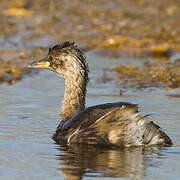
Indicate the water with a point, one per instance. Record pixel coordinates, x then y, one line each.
29 114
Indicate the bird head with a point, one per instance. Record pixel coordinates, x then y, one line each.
62 59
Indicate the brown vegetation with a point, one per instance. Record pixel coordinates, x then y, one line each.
136 27
156 74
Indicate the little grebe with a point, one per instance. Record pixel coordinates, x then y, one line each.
112 124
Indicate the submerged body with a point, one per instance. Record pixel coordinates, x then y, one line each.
112 124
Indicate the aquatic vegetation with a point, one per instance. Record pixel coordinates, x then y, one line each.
13 64
147 27
156 74
17 8
135 28
18 12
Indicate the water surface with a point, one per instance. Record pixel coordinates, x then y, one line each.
29 114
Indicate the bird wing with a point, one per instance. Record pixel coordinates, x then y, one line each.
92 114
106 125
122 126
86 118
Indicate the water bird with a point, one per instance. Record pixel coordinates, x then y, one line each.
111 125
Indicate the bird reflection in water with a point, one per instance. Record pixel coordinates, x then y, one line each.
78 161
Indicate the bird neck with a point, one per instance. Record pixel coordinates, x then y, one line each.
75 93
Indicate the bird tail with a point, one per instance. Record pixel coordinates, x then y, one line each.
154 135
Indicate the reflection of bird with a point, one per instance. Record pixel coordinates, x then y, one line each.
112 124
78 161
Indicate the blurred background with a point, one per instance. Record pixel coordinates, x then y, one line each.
133 51
131 28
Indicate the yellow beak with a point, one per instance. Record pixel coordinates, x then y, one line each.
39 64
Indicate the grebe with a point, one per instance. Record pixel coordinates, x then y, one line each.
112 124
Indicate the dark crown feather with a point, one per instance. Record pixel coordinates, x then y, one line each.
63 46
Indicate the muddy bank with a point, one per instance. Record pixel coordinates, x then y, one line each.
136 27
157 74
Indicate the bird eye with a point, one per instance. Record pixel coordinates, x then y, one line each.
50 58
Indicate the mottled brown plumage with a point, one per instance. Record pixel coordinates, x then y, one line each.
112 124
